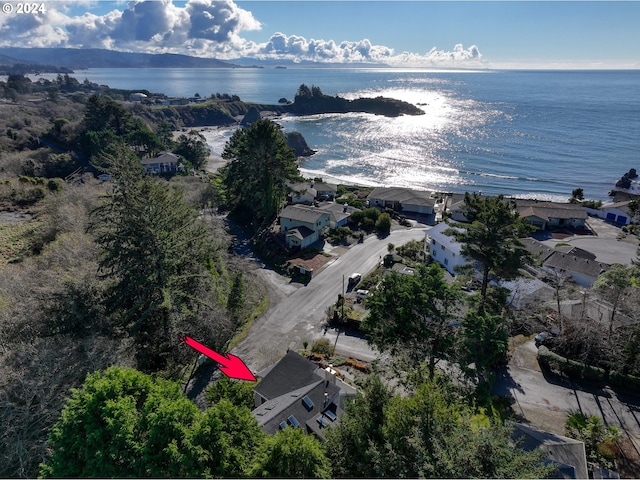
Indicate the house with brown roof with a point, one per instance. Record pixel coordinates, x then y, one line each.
546 215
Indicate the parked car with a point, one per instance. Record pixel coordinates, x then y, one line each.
354 278
360 294
541 338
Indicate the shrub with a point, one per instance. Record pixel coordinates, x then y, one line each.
322 347
383 225
55 184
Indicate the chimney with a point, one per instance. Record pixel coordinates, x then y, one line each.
344 208
330 374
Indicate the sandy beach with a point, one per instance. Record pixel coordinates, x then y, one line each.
216 138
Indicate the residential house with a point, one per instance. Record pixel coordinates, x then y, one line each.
296 393
325 191
340 214
568 261
166 162
302 193
546 215
582 270
402 199
617 212
137 97
302 225
444 249
567 454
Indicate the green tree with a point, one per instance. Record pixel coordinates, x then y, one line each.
483 345
615 285
261 164
154 248
352 445
238 392
123 423
430 433
193 148
383 224
492 238
577 195
412 314
291 453
236 298
599 440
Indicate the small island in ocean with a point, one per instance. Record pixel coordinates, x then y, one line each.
311 101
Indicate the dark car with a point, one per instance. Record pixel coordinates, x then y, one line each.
541 338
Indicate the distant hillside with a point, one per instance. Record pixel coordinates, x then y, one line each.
99 58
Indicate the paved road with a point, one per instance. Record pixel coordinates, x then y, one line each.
297 312
544 400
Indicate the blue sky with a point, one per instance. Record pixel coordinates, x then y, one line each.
449 34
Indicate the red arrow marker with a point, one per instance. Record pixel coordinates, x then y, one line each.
230 365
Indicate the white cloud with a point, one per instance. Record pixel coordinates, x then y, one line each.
208 28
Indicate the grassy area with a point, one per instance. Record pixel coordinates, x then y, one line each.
257 311
15 240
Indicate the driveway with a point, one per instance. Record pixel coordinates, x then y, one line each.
544 400
609 245
297 313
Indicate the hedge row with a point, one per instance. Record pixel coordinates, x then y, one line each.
574 369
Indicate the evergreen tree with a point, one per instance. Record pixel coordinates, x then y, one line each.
492 238
154 248
412 314
261 164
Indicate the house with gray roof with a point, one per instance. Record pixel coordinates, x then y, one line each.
302 193
296 393
166 162
340 214
302 225
566 454
582 270
402 199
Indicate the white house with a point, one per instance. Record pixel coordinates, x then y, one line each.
137 97
166 162
617 212
302 225
444 249
340 214
302 193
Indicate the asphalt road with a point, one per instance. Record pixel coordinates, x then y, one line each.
297 313
544 400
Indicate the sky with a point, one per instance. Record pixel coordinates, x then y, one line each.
445 34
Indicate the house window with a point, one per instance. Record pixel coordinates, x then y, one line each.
433 241
442 247
446 261
434 252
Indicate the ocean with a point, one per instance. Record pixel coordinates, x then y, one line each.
534 134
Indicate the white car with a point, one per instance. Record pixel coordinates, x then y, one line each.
361 293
